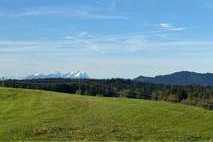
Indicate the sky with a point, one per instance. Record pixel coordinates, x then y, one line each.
105 38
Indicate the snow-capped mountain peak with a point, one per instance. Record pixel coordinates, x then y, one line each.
69 75
81 75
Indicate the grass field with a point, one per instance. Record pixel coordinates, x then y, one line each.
39 115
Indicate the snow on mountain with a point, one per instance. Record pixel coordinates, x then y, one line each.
69 75
81 75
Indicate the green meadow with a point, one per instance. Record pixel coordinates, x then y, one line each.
32 115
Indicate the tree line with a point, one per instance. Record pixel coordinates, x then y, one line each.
191 95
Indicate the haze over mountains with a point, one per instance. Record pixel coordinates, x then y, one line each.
180 78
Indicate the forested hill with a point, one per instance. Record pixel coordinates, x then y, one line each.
180 78
191 95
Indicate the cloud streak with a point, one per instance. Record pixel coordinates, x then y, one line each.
70 12
170 27
87 44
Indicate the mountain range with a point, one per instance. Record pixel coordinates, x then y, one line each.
69 75
177 78
180 78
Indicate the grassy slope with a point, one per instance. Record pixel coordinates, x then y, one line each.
40 115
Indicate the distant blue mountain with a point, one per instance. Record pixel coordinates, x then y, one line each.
180 78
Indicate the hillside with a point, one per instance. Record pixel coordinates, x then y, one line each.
40 115
180 78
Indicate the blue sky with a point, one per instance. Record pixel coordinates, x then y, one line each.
106 38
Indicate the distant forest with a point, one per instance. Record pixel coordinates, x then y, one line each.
191 95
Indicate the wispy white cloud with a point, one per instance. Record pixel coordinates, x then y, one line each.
170 27
87 44
72 12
